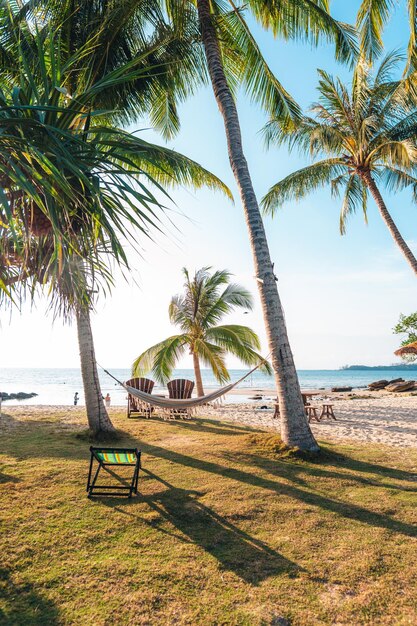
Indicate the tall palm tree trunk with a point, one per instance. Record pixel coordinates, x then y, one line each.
197 373
295 430
98 420
395 233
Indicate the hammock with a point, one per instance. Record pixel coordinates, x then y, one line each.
171 403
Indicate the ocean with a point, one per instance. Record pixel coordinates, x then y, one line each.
58 386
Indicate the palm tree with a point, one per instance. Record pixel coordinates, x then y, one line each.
71 183
205 301
232 58
288 19
368 139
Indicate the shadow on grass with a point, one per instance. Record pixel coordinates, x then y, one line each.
21 604
6 478
202 425
250 559
343 509
6 419
70 448
39 438
302 473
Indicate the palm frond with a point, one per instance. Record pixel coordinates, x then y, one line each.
297 185
306 20
161 358
397 180
412 43
213 357
355 195
406 128
251 69
371 19
241 341
387 67
395 153
88 181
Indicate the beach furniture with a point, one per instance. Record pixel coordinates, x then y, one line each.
135 406
327 411
180 389
311 412
113 457
308 394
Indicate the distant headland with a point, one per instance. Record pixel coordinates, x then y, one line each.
398 366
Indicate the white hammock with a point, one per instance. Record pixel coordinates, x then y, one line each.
188 403
171 403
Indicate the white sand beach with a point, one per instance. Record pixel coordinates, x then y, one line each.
382 419
368 417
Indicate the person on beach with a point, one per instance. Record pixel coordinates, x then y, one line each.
107 400
76 397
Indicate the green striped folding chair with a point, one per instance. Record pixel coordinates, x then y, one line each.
113 457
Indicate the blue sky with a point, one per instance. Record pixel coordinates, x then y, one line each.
341 295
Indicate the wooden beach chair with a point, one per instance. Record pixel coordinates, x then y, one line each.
113 457
180 389
136 407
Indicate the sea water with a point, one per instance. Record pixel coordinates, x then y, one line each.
58 386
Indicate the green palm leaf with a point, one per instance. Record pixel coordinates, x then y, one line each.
355 195
371 19
299 184
161 358
213 356
241 341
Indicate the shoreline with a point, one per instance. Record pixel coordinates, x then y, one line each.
245 394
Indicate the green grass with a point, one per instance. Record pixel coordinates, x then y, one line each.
224 530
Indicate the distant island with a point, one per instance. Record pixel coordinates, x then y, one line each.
400 366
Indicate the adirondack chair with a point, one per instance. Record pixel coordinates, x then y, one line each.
136 407
180 389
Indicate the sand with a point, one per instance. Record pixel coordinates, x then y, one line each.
374 417
369 417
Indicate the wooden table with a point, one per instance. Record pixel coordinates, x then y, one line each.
307 394
310 393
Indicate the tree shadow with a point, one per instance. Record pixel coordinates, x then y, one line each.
343 509
6 419
301 472
235 550
380 470
214 427
373 424
39 438
7 478
70 448
22 604
202 424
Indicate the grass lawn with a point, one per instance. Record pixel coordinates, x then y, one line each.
221 533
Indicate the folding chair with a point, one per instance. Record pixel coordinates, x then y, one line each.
113 457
